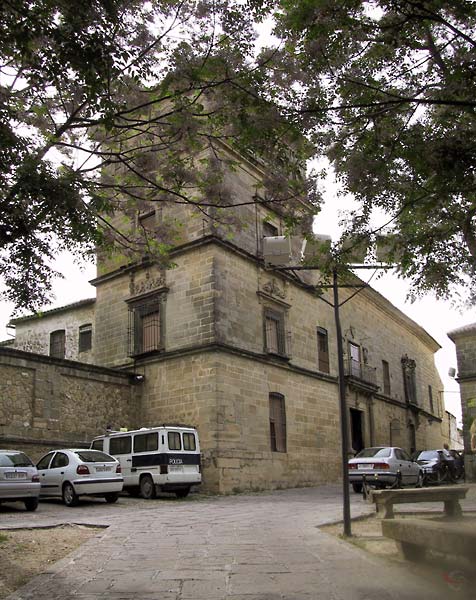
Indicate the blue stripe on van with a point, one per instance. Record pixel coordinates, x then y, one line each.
165 458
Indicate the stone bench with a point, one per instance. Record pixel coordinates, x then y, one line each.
449 495
416 536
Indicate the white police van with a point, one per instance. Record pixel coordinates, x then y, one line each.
164 458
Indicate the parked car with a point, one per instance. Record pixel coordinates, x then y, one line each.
18 479
383 466
434 464
70 473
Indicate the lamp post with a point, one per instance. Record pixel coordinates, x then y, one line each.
279 254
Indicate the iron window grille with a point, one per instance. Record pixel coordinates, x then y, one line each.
58 343
85 337
145 332
322 350
274 332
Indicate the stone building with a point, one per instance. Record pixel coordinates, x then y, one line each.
465 341
245 353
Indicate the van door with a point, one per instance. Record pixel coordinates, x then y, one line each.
121 447
183 457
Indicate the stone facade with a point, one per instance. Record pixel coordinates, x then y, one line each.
248 355
33 334
465 341
50 402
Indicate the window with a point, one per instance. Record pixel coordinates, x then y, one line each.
146 442
60 460
430 397
174 440
45 461
148 221
120 445
354 358
189 441
409 379
274 332
277 422
145 327
322 350
85 337
98 445
386 377
57 343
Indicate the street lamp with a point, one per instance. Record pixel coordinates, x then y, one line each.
277 253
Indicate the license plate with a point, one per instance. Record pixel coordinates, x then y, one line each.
366 466
175 469
102 469
15 475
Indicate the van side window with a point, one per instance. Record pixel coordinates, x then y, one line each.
174 440
120 445
146 442
189 441
98 445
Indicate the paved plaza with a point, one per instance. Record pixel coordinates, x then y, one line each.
265 546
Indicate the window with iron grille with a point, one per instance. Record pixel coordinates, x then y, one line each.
277 422
386 377
145 326
274 334
322 350
85 337
409 379
58 343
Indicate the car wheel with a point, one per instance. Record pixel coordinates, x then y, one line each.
419 482
182 493
70 498
357 487
111 497
31 504
147 487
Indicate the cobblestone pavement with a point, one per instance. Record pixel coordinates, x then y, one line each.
247 547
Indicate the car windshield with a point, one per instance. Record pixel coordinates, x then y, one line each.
92 456
14 459
371 452
428 455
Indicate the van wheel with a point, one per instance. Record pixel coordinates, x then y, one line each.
70 498
111 497
31 504
147 487
182 493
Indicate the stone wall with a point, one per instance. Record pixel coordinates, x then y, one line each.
465 341
47 402
32 334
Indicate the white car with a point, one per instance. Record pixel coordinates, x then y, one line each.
18 479
384 466
74 472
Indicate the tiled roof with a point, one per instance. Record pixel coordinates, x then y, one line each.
52 311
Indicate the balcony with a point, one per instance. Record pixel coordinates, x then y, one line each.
360 375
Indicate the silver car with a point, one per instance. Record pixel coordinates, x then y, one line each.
383 466
73 472
18 479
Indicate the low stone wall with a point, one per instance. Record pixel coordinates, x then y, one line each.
47 402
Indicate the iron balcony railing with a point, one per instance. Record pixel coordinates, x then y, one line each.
361 371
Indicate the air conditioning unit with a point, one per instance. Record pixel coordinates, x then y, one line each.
277 250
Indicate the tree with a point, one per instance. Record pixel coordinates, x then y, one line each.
386 89
103 103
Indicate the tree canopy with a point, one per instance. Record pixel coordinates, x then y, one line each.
387 90
102 104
